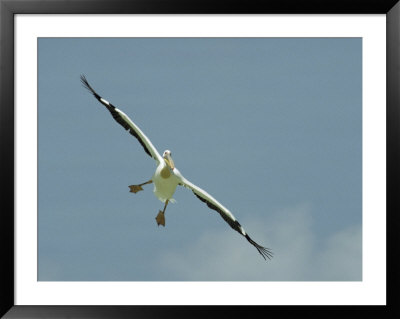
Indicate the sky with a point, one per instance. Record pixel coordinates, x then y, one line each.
271 127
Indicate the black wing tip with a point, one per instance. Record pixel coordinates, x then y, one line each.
87 86
84 82
264 252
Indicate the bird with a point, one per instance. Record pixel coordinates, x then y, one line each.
167 177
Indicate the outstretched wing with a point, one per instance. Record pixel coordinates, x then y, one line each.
126 123
225 214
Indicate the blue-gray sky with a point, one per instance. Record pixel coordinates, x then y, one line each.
271 127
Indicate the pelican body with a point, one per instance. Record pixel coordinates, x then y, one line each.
167 177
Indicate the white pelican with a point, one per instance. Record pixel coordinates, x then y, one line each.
167 177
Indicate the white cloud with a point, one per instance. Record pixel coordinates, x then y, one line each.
298 254
341 258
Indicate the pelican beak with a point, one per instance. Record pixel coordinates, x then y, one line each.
169 161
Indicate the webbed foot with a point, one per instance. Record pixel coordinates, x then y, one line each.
135 188
160 218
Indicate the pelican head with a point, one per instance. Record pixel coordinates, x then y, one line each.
168 159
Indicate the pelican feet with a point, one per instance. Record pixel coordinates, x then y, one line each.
160 218
135 188
138 188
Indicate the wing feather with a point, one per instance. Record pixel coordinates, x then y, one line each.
225 214
121 118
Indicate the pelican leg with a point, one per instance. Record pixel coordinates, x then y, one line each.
160 218
137 188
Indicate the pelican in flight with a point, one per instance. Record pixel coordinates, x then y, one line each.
167 177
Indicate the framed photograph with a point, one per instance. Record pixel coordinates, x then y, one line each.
262 132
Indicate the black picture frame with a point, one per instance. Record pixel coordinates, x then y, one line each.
8 9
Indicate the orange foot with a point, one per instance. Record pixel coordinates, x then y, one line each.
135 188
160 218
